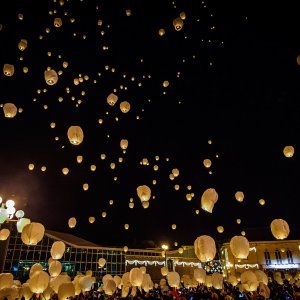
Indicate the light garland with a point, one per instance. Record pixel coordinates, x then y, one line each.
246 266
160 263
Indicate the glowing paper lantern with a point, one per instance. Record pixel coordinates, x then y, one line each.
109 287
31 167
55 268
182 15
104 214
125 249
239 196
51 77
145 204
161 32
180 250
261 277
85 283
164 271
278 278
59 280
217 281
249 281
85 186
200 275
174 226
58 249
118 281
4 234
238 221
124 144
205 248
262 202
32 233
57 22
178 24
144 192
144 270
91 220
220 229
136 277
126 226
22 45
101 262
209 199
35 268
26 291
207 163
8 70
39 282
125 107
72 222
147 283
173 279
66 291
6 280
233 280
239 247
112 99
79 159
75 135
9 110
65 171
288 151
280 229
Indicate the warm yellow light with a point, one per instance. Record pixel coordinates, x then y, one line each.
165 247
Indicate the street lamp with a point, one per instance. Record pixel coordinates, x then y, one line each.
165 247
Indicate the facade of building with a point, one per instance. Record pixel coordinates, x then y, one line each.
265 255
81 256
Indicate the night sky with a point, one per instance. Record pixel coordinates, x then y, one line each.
238 86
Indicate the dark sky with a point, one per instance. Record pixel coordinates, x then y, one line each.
238 86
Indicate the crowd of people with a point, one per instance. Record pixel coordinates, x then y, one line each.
281 292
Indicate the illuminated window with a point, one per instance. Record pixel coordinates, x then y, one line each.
267 257
278 257
289 256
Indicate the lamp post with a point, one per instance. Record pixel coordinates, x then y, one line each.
165 248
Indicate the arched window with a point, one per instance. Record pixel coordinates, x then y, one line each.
278 257
267 257
289 256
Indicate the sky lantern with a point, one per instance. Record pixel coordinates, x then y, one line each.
209 199
10 110
72 222
173 279
65 171
126 226
182 15
66 291
261 277
75 135
124 144
262 202
164 271
136 277
249 281
238 221
101 262
207 163
125 107
174 226
85 283
30 167
166 83
39 282
109 287
26 291
178 24
8 70
217 280
112 99
57 22
280 229
22 45
92 220
161 32
58 249
199 275
128 12
55 268
85 186
125 249
288 151
51 77
32 233
239 247
145 204
205 248
93 168
220 229
175 172
144 192
21 223
104 214
239 196
4 234
131 205
79 159
232 280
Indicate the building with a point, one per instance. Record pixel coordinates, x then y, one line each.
281 255
81 256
